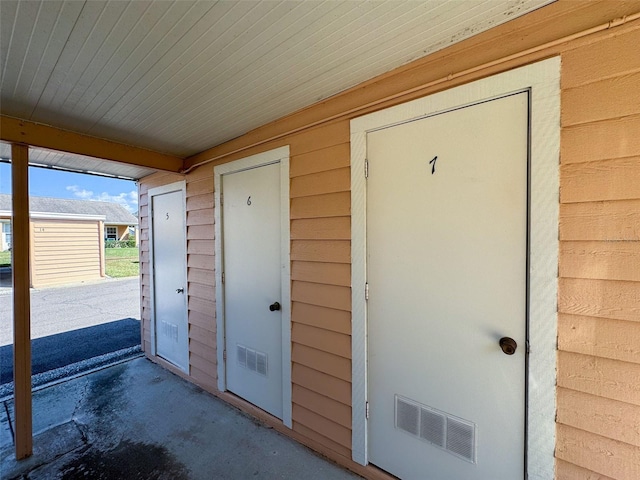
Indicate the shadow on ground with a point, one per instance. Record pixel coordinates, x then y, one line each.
62 349
5 277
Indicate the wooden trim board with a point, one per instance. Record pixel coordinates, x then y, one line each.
45 136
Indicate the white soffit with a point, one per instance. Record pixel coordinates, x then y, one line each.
182 76
39 157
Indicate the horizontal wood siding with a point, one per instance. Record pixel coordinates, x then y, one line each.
65 251
321 281
201 278
599 284
599 290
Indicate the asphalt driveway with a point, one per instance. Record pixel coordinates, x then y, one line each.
61 309
63 349
5 277
74 328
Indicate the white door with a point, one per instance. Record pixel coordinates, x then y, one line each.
169 277
446 269
252 285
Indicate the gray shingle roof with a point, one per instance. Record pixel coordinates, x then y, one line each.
114 213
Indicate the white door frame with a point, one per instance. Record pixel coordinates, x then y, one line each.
180 186
542 80
278 155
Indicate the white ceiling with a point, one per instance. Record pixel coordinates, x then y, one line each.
182 76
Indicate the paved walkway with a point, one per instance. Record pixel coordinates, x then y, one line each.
136 420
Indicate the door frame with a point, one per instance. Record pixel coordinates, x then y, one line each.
180 186
281 156
542 81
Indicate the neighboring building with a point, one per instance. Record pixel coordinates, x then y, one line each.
5 235
67 236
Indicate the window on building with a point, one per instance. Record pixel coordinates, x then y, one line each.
112 233
6 233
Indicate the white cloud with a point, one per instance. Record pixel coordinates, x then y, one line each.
128 200
80 192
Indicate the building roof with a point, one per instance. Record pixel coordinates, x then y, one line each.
115 213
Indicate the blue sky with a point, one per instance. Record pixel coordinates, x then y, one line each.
53 183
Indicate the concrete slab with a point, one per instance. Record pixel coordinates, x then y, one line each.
137 420
55 443
60 403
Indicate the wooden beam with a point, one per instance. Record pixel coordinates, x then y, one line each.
21 302
14 130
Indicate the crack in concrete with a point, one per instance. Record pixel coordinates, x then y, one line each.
44 461
76 450
81 397
6 410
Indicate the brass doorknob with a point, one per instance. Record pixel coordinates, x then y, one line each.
508 345
274 306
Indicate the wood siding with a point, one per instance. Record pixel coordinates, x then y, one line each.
65 251
599 296
598 418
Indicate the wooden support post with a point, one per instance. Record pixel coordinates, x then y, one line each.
21 302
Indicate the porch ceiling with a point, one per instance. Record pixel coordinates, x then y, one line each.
182 76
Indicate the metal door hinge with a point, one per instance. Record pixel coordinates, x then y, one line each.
366 410
366 168
366 291
224 354
222 277
221 199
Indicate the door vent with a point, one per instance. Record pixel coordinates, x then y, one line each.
170 330
460 438
432 427
407 416
242 355
261 363
450 433
252 359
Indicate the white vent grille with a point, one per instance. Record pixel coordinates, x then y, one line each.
261 363
432 427
170 331
450 433
242 355
252 359
460 438
407 416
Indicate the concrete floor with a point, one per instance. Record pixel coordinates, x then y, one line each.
138 421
